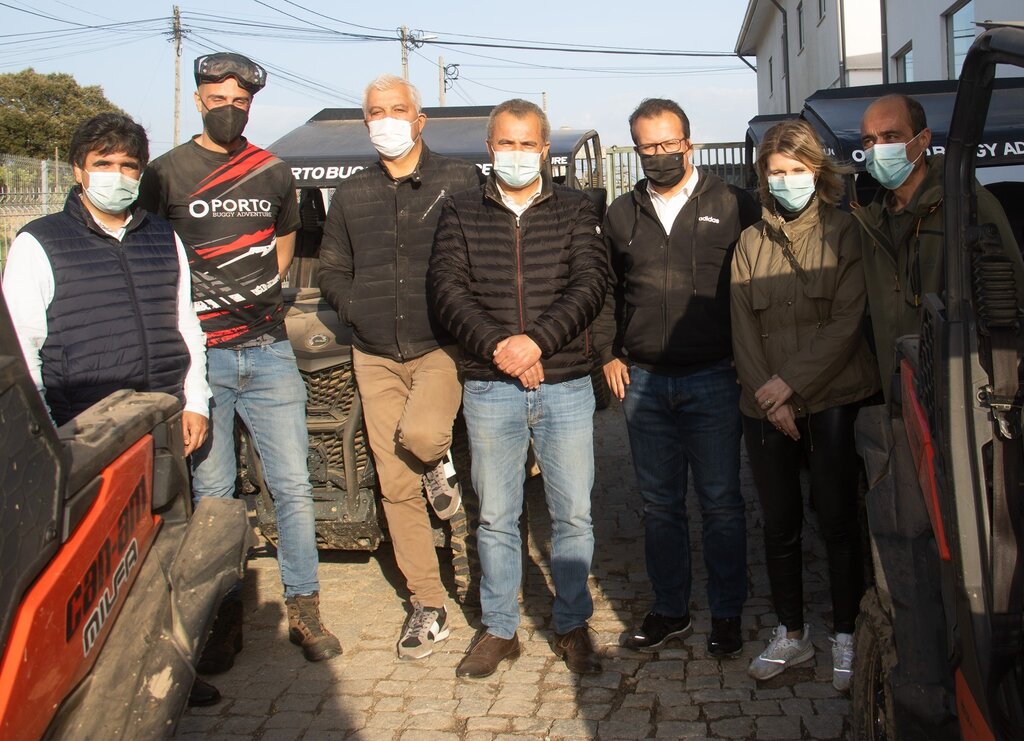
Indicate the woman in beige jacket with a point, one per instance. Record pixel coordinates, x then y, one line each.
798 300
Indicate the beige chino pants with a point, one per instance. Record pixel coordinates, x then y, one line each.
409 409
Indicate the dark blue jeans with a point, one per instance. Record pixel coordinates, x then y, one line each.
677 425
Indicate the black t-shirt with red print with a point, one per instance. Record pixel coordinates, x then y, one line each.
228 210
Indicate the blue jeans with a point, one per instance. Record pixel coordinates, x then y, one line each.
500 416
263 385
678 424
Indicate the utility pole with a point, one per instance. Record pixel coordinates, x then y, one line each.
177 76
440 81
405 52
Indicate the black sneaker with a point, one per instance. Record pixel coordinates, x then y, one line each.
725 641
658 630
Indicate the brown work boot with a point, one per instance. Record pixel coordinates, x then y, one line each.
485 653
306 630
577 650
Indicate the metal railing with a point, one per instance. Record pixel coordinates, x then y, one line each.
623 169
29 188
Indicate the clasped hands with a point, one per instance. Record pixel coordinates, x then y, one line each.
772 398
518 356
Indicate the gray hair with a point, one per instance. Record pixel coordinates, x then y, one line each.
386 82
520 109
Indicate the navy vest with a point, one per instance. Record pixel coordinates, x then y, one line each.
113 321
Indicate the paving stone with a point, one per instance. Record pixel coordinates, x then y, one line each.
760 707
427 735
716 710
556 710
432 722
732 727
620 729
680 730
329 720
514 707
488 723
794 706
242 724
389 704
720 695
823 726
577 728
815 690
538 726
778 728
297 702
282 734
289 719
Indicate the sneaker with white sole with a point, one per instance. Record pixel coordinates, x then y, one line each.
842 661
441 485
424 627
782 653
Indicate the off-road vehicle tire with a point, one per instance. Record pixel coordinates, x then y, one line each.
873 704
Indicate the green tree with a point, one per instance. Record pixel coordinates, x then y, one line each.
39 112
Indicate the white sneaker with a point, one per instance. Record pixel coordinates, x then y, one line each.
782 653
423 628
441 485
842 661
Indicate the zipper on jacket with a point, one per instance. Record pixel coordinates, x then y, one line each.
136 310
693 250
519 278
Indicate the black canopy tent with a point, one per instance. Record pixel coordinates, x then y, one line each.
333 144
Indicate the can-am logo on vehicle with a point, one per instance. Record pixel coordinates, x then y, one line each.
236 207
317 340
87 603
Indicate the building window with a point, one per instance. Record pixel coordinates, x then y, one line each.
905 64
959 36
800 25
821 9
771 77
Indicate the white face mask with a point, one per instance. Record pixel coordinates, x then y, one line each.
111 192
792 191
391 137
517 168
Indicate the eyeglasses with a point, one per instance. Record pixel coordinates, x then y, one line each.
669 146
222 65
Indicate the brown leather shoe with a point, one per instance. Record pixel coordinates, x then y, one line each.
485 653
577 650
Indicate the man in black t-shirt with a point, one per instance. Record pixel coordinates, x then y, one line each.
233 205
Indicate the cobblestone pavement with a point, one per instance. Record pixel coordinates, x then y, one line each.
272 694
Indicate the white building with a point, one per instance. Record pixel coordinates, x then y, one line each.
802 46
805 45
928 39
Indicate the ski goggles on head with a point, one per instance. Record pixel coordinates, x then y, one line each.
222 65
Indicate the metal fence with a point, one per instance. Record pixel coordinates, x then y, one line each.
622 165
29 188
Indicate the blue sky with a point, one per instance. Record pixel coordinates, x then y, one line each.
313 66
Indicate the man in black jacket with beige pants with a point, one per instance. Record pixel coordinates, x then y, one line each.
373 267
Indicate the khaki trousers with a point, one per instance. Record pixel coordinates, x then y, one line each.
409 409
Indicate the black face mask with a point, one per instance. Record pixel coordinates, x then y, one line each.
225 123
663 170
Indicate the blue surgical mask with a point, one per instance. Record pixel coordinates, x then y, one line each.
517 168
793 192
111 192
888 163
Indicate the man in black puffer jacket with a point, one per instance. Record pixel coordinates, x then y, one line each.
373 270
517 275
666 343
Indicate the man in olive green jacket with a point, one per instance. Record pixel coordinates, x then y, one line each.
903 253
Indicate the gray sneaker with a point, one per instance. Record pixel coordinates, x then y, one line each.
424 627
782 653
842 661
441 485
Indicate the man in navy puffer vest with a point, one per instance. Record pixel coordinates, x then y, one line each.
100 293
